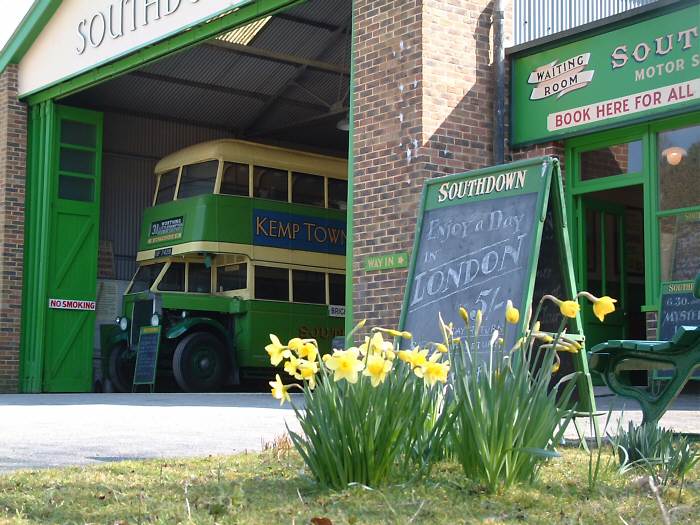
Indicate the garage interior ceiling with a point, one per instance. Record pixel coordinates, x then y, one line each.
288 85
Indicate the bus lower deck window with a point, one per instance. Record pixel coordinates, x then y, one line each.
174 278
308 287
198 179
231 277
336 288
198 278
271 283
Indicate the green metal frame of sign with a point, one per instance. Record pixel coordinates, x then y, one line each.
648 178
600 41
147 330
549 187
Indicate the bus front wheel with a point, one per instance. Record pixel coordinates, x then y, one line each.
121 368
200 363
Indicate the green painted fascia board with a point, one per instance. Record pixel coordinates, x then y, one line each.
29 28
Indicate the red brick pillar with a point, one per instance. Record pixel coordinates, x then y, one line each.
13 149
423 108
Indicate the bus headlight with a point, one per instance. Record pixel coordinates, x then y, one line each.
155 320
123 323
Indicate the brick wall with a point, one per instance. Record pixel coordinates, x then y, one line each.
13 141
423 108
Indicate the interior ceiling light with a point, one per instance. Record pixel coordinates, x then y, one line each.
343 124
245 34
674 155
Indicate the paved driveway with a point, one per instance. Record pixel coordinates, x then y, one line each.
76 429
39 431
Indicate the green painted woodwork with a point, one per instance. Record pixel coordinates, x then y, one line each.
209 218
387 261
350 228
61 239
577 189
73 246
23 37
601 75
138 58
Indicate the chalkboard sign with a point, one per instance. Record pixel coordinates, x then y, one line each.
679 307
485 237
147 356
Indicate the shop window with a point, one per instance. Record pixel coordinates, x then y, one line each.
269 183
198 278
145 277
234 180
231 277
78 133
307 189
309 287
338 194
680 246
336 288
679 168
76 188
174 278
77 161
166 187
271 283
612 160
198 179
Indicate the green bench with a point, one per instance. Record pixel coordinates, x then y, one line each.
681 354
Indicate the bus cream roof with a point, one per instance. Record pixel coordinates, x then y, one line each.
258 154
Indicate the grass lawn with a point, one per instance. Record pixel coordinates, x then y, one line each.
270 488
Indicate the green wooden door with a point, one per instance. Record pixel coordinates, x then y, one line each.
73 248
602 232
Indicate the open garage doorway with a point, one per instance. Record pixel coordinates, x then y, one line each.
280 81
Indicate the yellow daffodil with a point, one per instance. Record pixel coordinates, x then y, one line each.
555 367
415 357
279 390
309 351
569 308
407 335
512 313
308 371
603 306
345 365
433 370
441 348
295 344
376 369
277 350
291 366
464 315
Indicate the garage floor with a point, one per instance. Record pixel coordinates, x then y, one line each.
38 431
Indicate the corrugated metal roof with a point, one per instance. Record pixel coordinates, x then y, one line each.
250 86
539 18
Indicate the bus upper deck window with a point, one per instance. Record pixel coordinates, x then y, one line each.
270 183
174 278
231 277
338 194
309 287
198 278
271 283
307 189
198 179
166 188
234 180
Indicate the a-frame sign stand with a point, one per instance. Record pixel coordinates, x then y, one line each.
487 236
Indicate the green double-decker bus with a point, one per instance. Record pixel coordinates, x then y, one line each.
242 240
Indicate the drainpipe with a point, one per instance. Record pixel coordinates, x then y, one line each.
499 63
